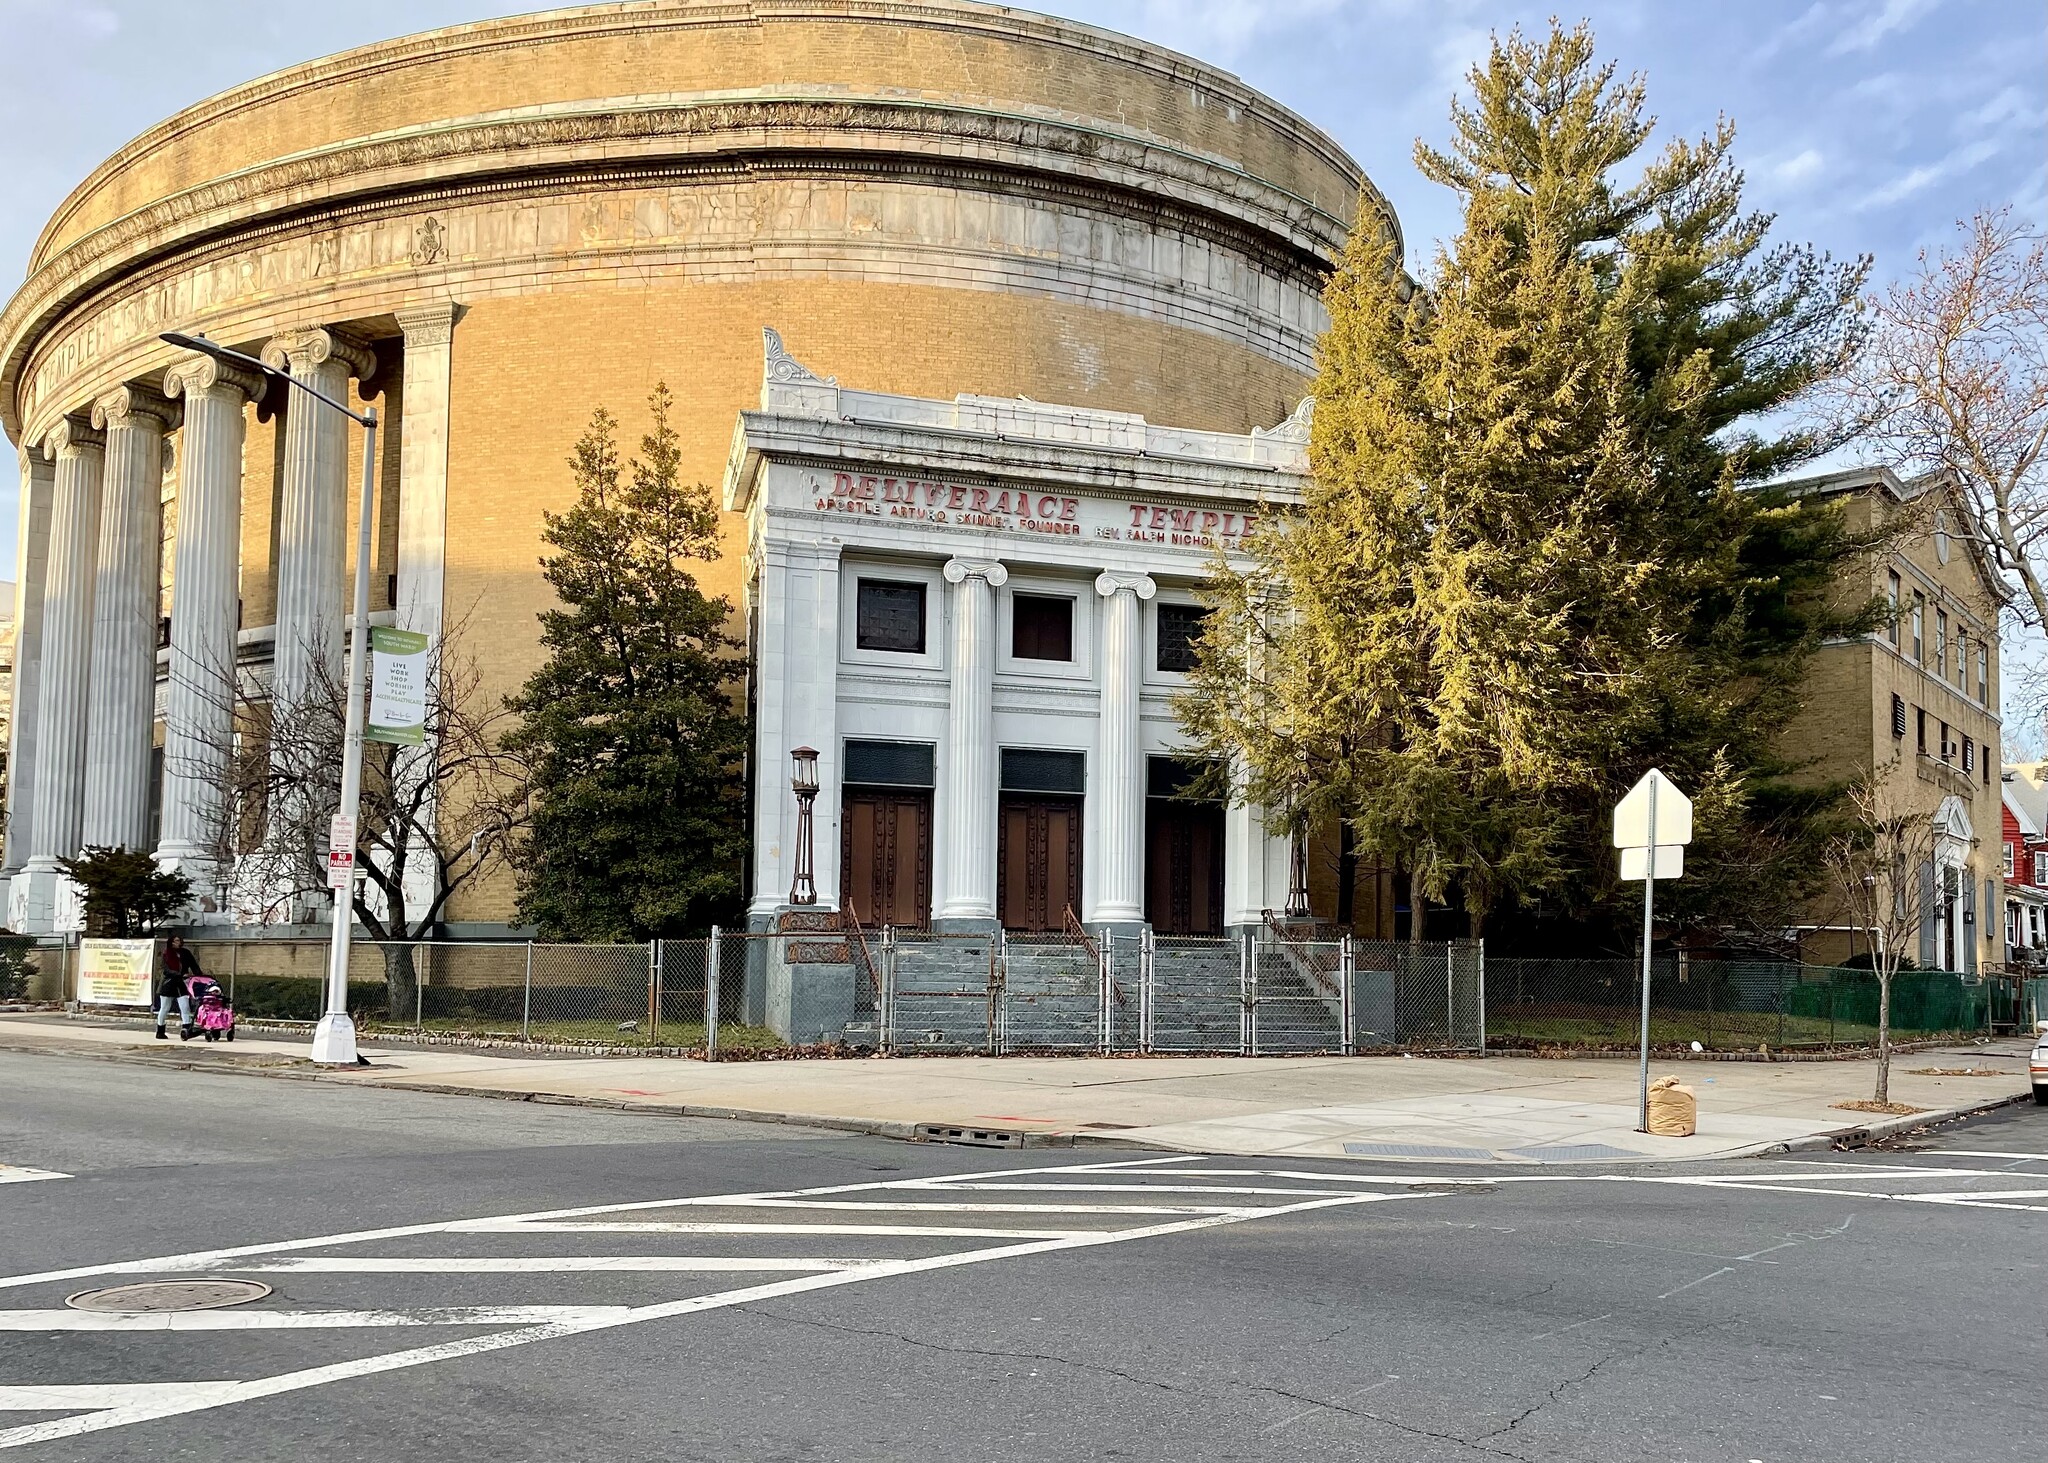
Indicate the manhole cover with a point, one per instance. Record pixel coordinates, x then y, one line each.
169 1295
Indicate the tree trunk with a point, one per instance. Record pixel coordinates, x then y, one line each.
1884 1035
401 981
1347 873
1418 910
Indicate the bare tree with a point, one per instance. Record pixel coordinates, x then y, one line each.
1955 379
1881 863
434 818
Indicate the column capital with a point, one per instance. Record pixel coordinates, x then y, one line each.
959 570
316 345
72 433
1110 582
134 399
204 373
430 324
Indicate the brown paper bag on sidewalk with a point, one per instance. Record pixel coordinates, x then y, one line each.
1674 1113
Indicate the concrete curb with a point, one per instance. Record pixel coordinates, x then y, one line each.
1864 1134
1857 1136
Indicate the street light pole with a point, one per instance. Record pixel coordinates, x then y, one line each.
334 1039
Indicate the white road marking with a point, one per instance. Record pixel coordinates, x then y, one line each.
202 1258
913 1207
1136 1189
684 1226
228 1320
170 1403
10 1174
63 1397
1724 1270
1991 1153
523 1264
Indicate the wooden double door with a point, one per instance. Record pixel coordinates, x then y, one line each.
1183 867
885 856
1038 861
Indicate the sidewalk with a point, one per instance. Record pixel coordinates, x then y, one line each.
1500 1109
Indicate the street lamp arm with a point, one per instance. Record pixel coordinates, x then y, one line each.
206 347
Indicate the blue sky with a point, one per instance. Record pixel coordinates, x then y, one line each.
1866 125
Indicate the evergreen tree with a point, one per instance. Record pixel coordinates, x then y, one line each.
1535 557
633 723
125 892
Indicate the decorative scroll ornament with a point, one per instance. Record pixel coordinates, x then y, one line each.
135 399
1109 582
315 347
1295 428
782 369
958 571
71 434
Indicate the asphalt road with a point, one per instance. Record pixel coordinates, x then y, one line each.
854 1298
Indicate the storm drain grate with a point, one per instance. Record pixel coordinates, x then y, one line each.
973 1137
169 1295
1416 1150
1574 1153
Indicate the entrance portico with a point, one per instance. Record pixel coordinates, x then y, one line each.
979 611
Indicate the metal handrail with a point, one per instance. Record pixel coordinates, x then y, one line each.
1080 932
1302 956
867 958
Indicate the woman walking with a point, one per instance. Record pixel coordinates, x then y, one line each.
179 965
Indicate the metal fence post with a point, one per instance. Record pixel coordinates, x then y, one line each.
419 993
885 998
712 970
1104 1041
1481 955
1148 948
526 999
1248 967
1344 981
653 990
1451 992
234 965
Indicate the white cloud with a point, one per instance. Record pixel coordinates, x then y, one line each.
1916 180
1876 24
1799 167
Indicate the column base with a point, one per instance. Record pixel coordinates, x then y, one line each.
35 899
334 1041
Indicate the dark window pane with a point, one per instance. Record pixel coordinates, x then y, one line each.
1172 777
1180 626
1041 627
889 764
890 616
1026 769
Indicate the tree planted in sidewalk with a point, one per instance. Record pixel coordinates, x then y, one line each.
1535 556
1882 863
635 722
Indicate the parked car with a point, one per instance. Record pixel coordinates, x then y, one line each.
2037 1063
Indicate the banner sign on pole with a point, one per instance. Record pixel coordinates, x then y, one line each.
117 972
398 687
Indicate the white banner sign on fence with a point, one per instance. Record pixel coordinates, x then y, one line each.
116 972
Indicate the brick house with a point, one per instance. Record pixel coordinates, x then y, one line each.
2025 865
1918 695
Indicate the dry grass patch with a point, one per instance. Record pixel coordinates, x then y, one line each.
1957 1072
1895 1109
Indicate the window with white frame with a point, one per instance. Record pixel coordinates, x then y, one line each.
2008 859
2041 868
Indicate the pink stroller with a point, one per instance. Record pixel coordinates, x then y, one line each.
211 1012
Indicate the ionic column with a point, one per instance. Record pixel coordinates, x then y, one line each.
31 567
121 705
969 857
79 454
312 518
1119 783
199 701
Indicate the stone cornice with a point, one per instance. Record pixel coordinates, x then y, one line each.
547 150
643 20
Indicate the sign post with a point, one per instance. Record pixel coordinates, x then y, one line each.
1652 825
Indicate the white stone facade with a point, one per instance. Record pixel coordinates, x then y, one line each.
977 501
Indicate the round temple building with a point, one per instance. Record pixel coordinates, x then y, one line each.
944 214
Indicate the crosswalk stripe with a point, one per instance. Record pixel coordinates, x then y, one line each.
170 1404
1135 1189
899 1206
68 1395
682 1226
229 1320
523 1264
11 1174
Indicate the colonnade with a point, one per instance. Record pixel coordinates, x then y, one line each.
87 664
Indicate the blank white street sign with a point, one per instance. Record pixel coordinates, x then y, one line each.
1635 862
1632 815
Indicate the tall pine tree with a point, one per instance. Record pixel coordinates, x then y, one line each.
1535 557
634 722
